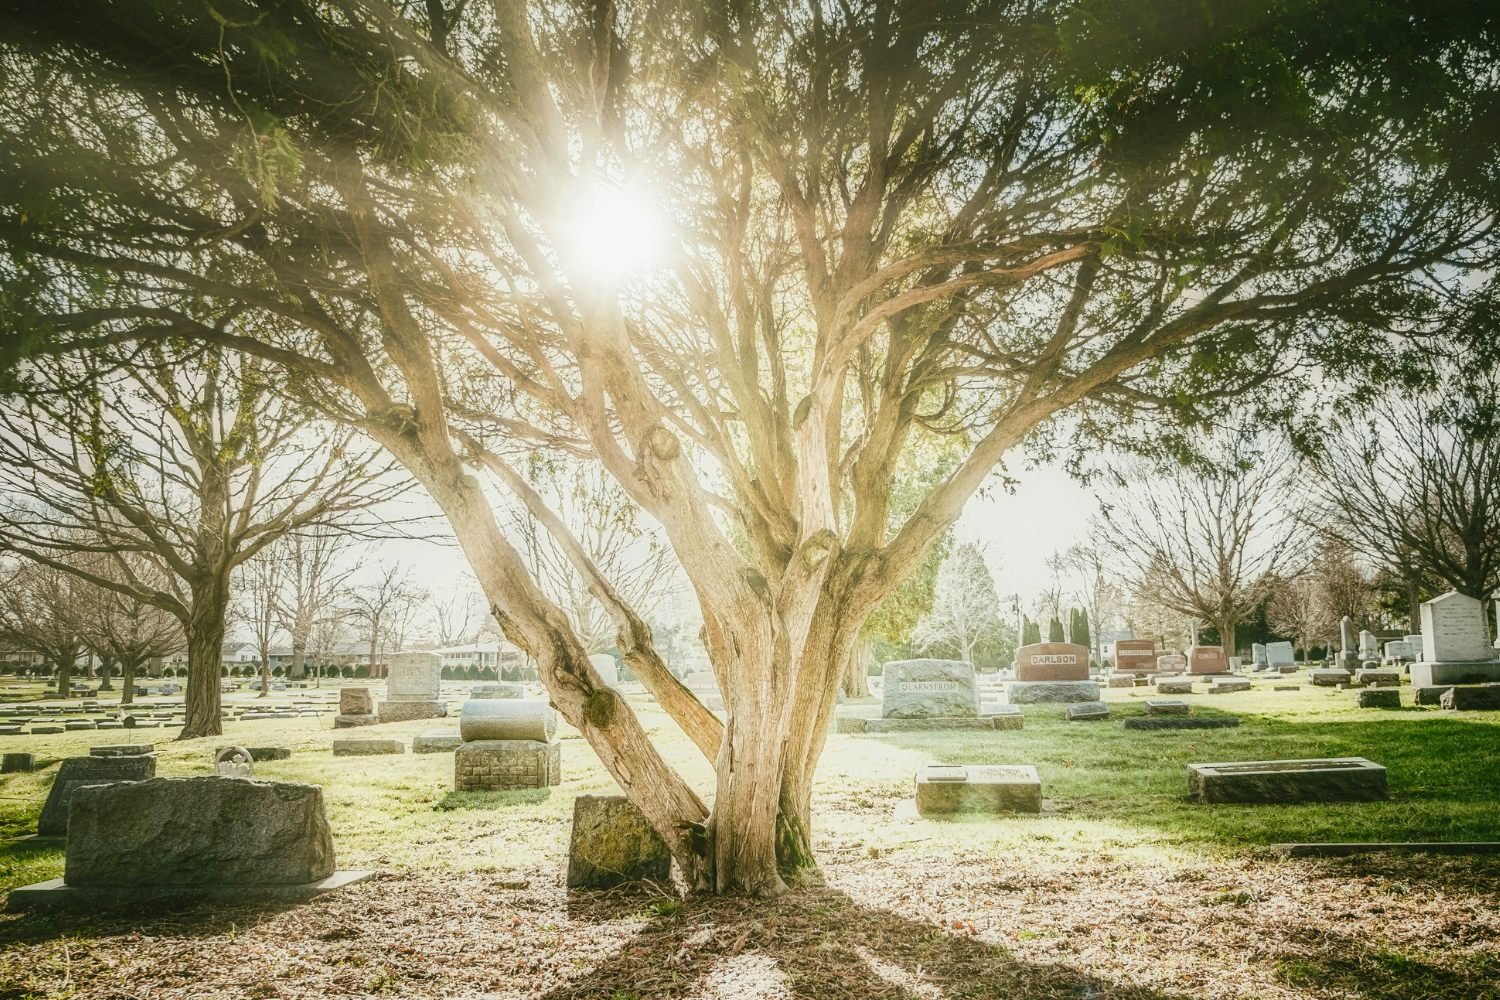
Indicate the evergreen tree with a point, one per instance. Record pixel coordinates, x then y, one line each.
1033 633
1081 634
1055 631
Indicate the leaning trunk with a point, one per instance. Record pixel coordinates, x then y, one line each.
857 676
65 675
205 641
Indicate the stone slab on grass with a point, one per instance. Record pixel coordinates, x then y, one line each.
612 844
1481 698
17 763
1182 722
339 721
1051 692
208 830
503 765
948 789
1122 680
407 711
261 754
78 772
1331 779
1432 694
122 750
1377 678
1229 685
1088 711
1424 674
1174 685
1166 706
1328 678
1002 717
436 742
361 748
849 726
1382 697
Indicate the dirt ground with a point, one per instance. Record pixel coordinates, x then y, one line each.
899 925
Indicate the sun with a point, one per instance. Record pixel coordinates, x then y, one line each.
613 232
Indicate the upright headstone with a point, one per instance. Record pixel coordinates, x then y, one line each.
414 688
1455 643
1171 663
1398 651
1349 658
932 689
1280 654
1137 656
1369 646
1053 661
1207 660
356 708
1258 655
604 665
76 772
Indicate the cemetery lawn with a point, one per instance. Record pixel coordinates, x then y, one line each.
1122 888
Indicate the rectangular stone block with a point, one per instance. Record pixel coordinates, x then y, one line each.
1229 685
1052 661
1166 706
1442 674
612 844
1430 695
1174 685
1182 722
501 765
1384 697
364 748
928 689
944 789
1054 692
1332 779
1088 711
850 725
1366 677
356 701
1122 680
1135 655
406 711
1484 698
1005 717
436 742
1329 678
13 763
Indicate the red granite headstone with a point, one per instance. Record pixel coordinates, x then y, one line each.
1135 655
1207 660
1052 661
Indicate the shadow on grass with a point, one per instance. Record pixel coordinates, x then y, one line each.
817 945
490 800
1350 967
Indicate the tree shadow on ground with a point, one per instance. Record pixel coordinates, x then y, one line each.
490 800
1344 965
816 944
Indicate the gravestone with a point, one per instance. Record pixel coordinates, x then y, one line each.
946 789
262 754
929 689
1053 661
367 747
1377 677
1329 678
1337 779
1455 643
1399 651
15 763
502 765
1229 685
436 741
1135 655
504 690
519 719
1369 646
1182 722
356 708
1122 680
1207 660
234 762
1415 642
1471 698
122 749
1166 706
1087 711
1349 657
191 831
1280 656
1174 685
76 772
1258 658
1171 663
604 665
1380 698
414 688
612 844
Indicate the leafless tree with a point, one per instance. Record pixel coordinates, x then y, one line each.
314 586
384 606
965 608
1297 608
1209 540
1088 570
457 613
1414 486
262 582
39 612
191 463
119 627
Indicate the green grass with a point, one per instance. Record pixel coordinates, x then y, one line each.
1110 792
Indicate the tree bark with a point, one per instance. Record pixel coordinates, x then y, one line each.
298 669
65 676
127 681
265 677
106 667
857 677
205 640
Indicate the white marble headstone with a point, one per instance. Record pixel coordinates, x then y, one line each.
1453 630
415 677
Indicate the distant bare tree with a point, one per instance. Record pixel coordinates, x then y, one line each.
384 607
192 463
1149 620
39 612
965 609
457 613
1297 609
1415 485
1088 571
120 628
1208 541
313 586
262 582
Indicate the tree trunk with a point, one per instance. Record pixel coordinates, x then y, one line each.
1227 638
743 827
298 669
127 681
1414 607
205 640
265 677
857 677
106 667
65 675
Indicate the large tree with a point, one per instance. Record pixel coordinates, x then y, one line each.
883 222
965 610
1413 484
1208 539
40 609
188 463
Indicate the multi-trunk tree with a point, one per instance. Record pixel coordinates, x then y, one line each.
880 224
39 613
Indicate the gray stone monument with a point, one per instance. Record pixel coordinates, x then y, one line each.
1455 643
612 844
76 772
414 688
1279 655
1349 658
1258 656
928 689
